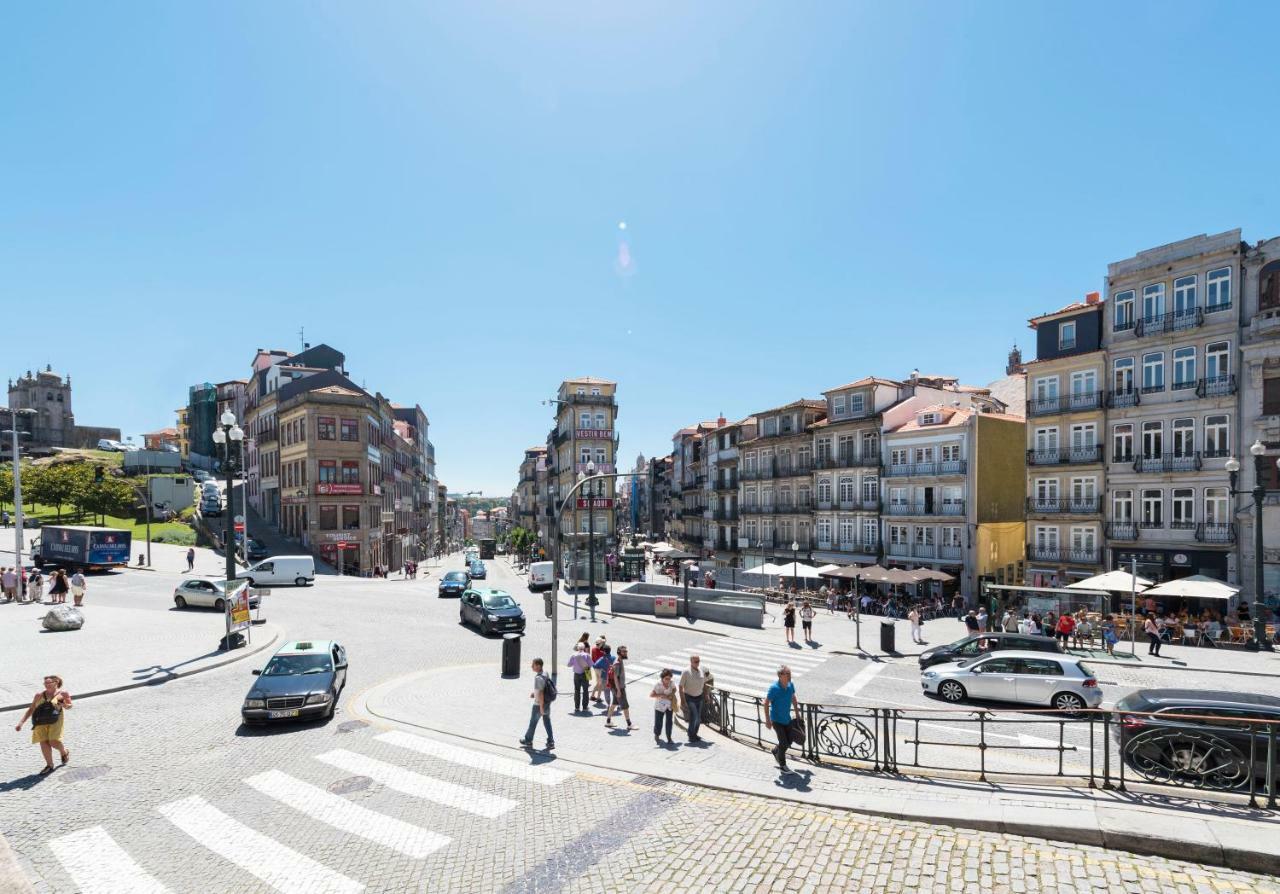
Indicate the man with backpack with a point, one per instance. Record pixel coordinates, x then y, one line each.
544 693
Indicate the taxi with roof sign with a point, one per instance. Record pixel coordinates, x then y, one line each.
302 681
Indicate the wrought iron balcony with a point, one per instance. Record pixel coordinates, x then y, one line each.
756 509
950 552
1123 397
911 470
1216 533
1175 321
1077 505
762 472
1066 403
1122 530
1061 456
1216 386
1168 462
790 470
593 399
1064 554
952 509
725 515
727 485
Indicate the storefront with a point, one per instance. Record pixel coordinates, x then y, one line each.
1160 565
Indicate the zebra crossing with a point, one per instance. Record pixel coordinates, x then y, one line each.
99 864
735 664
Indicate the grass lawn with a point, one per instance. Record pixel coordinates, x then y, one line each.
161 532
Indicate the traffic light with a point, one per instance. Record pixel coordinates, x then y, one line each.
97 474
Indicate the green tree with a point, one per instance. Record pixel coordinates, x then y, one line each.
110 496
52 485
6 486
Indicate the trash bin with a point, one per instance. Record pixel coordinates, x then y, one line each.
511 655
887 629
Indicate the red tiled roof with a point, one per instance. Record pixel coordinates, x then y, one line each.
863 382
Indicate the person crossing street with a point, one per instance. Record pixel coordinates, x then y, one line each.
778 703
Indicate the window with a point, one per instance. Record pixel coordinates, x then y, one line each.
923 455
1184 295
1184 437
1066 335
1184 368
1046 389
1152 372
899 456
1122 375
824 449
871 443
1122 506
1217 363
837 406
584 420
897 496
600 456
770 426
897 535
951 453
1217 289
846 449
328 470
857 402
787 424
847 492
1046 490
824 490
326 428
1152 439
350 518
1153 301
1039 667
1084 490
924 536
1216 440
350 471
1084 539
870 489
584 455
870 531
1182 507
1084 436
951 536
1046 537
600 423
350 430
1271 393
1046 439
824 530
1084 383
1152 509
1123 318
1216 510
328 518
1269 286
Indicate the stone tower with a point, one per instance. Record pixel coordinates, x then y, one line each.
49 394
1014 366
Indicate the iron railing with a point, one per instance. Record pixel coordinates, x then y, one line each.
1216 533
1168 462
1216 386
909 470
1122 530
1103 749
1064 403
1124 397
955 508
1060 456
1078 505
1174 321
1064 554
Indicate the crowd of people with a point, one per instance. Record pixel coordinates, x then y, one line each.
22 587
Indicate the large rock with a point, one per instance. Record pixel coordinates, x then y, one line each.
63 617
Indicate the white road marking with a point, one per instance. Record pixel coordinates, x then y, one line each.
860 679
100 866
480 760
763 649
281 867
796 657
418 785
762 665
334 810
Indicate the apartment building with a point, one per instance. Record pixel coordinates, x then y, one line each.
525 500
1260 409
585 434
1172 339
953 485
722 517
1066 425
775 473
691 490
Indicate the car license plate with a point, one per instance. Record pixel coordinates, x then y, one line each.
292 712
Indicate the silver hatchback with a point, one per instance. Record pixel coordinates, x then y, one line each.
1029 678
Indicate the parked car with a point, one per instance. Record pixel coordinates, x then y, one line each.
201 475
211 507
204 592
491 611
1213 752
454 583
478 571
302 680
257 550
541 575
1028 678
296 570
981 644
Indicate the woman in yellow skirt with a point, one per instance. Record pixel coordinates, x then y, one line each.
47 711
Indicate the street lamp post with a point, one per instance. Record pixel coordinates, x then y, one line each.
228 434
795 566
1259 494
17 497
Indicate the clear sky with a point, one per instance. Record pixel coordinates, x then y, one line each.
811 191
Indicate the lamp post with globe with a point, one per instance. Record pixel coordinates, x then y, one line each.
228 435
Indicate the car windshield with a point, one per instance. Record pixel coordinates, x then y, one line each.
293 665
498 600
456 575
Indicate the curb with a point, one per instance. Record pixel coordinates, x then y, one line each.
12 878
1096 835
160 681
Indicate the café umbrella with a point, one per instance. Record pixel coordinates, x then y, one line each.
1197 586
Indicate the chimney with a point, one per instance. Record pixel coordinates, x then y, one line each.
721 421
1092 298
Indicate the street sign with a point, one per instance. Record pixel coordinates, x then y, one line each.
239 520
239 608
239 527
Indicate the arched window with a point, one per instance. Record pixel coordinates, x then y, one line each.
1269 286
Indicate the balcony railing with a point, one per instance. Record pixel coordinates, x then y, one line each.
1216 386
943 467
1078 505
1168 462
1066 403
1122 530
1216 533
950 552
1060 456
1123 397
788 470
1039 553
1175 321
954 508
762 472
847 460
725 515
594 399
729 484
756 509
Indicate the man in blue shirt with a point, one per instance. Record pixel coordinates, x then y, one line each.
777 711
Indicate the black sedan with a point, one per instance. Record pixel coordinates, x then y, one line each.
1197 738
491 611
301 681
454 583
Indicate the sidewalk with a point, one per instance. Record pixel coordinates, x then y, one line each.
475 703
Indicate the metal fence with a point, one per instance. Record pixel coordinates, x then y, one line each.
1101 748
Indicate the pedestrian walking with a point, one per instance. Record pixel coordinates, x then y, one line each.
580 664
8 581
693 688
1109 637
971 622
77 587
829 596
982 620
914 617
58 587
806 621
1066 627
789 620
47 711
618 675
191 558
35 587
1152 630
603 666
1007 622
957 606
663 694
596 651
777 711
544 693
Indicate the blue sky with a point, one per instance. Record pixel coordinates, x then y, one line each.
812 192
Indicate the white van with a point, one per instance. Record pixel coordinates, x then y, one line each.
296 570
541 575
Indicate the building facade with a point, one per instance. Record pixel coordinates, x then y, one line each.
775 471
585 435
52 422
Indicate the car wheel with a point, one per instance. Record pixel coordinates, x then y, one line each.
333 706
1069 702
485 629
220 605
299 581
179 602
951 691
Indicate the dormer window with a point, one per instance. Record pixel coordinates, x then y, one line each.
856 405
1066 335
930 418
837 406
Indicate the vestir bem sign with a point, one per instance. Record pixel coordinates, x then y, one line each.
599 434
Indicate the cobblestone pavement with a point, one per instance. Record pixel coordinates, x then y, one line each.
165 791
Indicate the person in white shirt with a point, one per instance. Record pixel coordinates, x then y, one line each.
77 587
663 694
914 617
